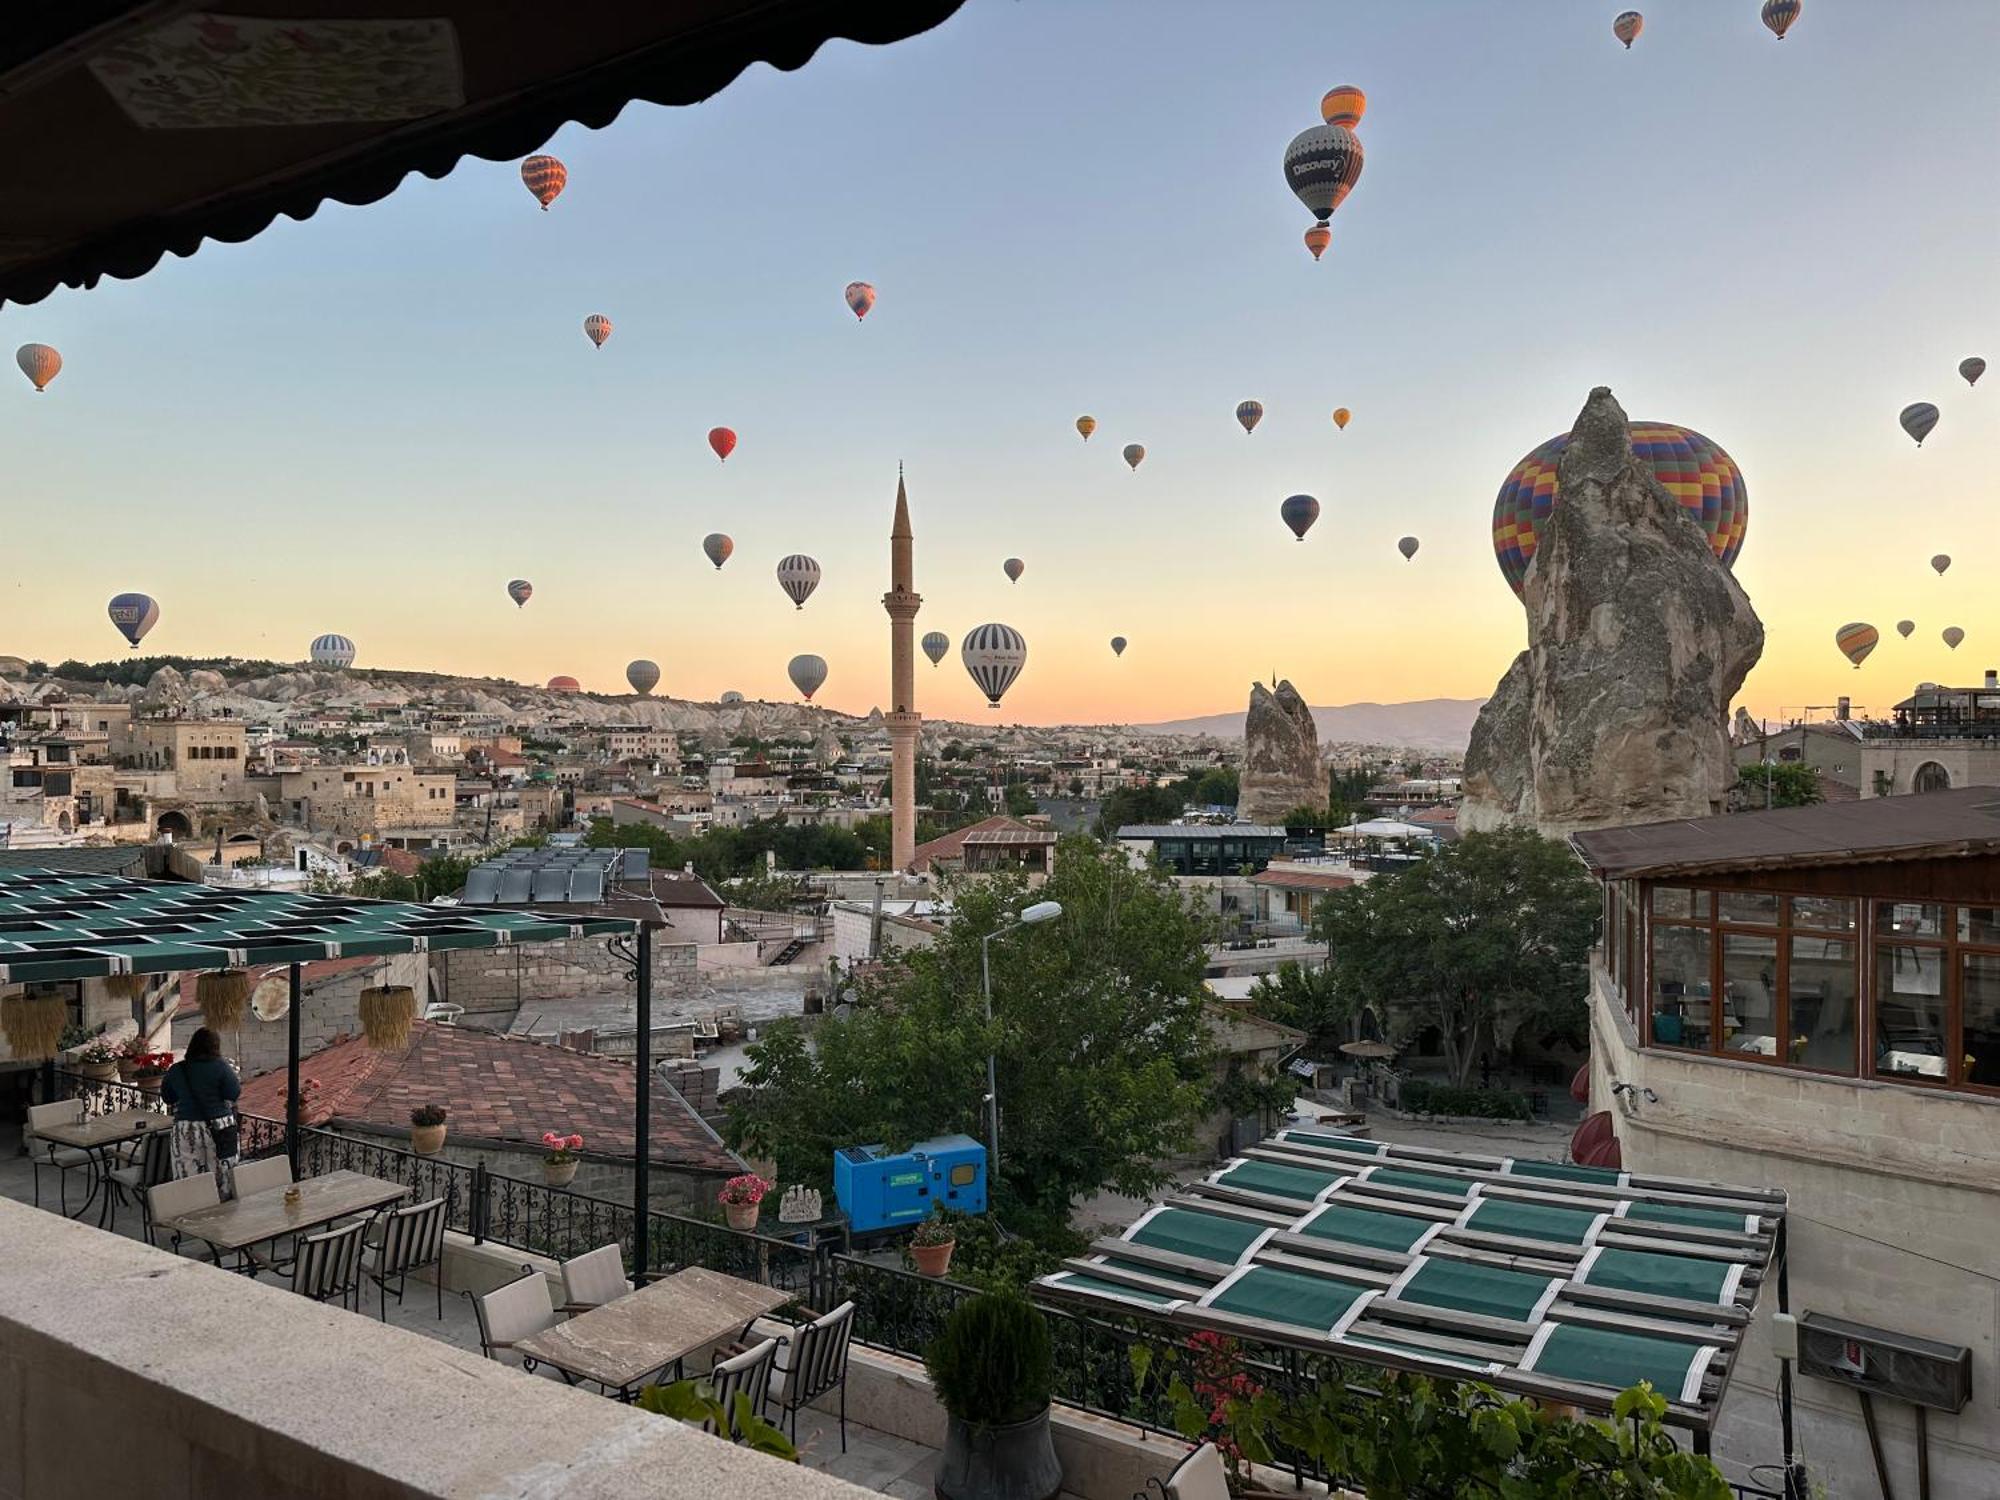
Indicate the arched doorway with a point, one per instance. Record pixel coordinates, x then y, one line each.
64 824
174 825
1931 777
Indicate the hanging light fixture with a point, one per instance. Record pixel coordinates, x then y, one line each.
386 1014
33 1025
222 996
126 986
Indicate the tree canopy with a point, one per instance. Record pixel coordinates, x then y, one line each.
1473 939
725 853
1308 1000
1790 784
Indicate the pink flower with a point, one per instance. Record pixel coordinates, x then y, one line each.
576 1143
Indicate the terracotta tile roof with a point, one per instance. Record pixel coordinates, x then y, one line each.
496 1088
1302 880
952 845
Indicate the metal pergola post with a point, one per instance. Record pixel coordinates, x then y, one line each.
292 1069
642 1107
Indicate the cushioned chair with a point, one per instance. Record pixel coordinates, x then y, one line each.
409 1239
328 1266
153 1165
593 1279
513 1312
262 1175
176 1196
1199 1476
814 1363
63 1160
748 1374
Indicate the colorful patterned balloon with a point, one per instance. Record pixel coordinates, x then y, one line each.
860 297
1856 641
597 328
1627 27
39 363
331 651
1317 239
1249 413
1917 419
1322 165
520 591
545 178
1086 426
134 615
1779 15
1694 470
1343 105
564 684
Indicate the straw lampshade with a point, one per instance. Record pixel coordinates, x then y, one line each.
126 986
222 996
386 1014
33 1025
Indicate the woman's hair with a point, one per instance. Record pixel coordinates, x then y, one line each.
203 1044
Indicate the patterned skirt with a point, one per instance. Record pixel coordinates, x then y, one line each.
194 1153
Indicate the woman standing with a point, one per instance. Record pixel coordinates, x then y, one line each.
202 1090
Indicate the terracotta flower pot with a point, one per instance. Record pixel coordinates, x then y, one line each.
97 1072
151 1083
933 1260
126 1067
559 1173
741 1216
427 1140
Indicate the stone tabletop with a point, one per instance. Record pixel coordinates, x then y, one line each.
258 1217
105 1130
636 1335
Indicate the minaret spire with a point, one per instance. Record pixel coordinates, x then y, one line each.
902 603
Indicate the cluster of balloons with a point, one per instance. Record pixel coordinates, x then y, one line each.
1919 417
1857 639
1778 15
1323 164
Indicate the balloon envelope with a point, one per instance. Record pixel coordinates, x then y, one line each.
723 441
1941 562
1118 645
1343 104
1779 15
1086 426
936 643
1013 567
798 576
1952 636
717 547
597 328
332 651
1249 413
1694 470
1856 641
1340 417
134 615
1135 454
39 362
1972 369
545 177
1322 165
1627 26
1917 419
860 297
1408 547
994 655
1904 627
520 591
1317 239
1299 513
564 685
807 673
643 675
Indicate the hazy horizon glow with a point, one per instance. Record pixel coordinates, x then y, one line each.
369 422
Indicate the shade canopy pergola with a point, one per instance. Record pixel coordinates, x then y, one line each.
1564 1282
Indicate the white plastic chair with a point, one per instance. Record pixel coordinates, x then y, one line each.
594 1278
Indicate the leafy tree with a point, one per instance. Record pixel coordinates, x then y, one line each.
1304 816
1139 804
1103 1054
1308 1000
1789 784
440 875
1019 800
1473 939
1216 787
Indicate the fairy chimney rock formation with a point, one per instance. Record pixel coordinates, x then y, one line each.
1280 756
1638 640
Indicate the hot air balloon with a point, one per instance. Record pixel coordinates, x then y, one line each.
1628 26
40 363
597 328
935 644
1013 567
1972 369
860 297
1917 419
1135 454
1086 426
1317 239
1856 641
134 615
1904 627
1779 15
1952 636
1343 105
994 655
1694 470
730 698
1249 413
564 685
807 673
1940 563
723 441
643 675
520 591
1118 645
332 651
1299 513
718 547
1408 547
1322 166
1341 417
545 177
798 576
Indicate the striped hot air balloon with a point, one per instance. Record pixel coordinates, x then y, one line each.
597 328
1694 470
860 297
1249 413
1972 369
1627 27
564 685
1343 105
643 675
1779 15
717 548
723 441
1322 165
1856 640
1299 512
545 178
1317 239
1917 419
935 644
798 576
1013 567
807 673
332 651
40 363
134 615
1086 426
994 655
520 591
1135 454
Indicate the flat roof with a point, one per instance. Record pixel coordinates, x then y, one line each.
62 925
1929 825
1564 1282
1199 831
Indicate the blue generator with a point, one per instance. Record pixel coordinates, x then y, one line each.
879 1189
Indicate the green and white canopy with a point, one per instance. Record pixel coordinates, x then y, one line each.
1565 1282
56 925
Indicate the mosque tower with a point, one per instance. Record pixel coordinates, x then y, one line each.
902 602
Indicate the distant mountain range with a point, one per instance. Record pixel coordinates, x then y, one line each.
1442 724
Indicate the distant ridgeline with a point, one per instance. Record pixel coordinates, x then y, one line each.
137 671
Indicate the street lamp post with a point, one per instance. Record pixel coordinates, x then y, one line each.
1041 911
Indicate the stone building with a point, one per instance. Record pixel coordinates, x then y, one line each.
363 798
205 755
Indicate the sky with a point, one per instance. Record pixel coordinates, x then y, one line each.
368 422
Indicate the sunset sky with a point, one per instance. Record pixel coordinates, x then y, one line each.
369 422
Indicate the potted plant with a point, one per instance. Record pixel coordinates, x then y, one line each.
739 1199
98 1060
559 1165
931 1244
150 1068
993 1370
130 1051
427 1129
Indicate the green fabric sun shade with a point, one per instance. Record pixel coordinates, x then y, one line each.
1419 1351
1196 1285
1492 1290
1562 1171
1301 1183
1321 1140
1278 1296
1532 1221
1076 1283
1204 1236
1429 1182
1660 1275
1694 1218
1366 1226
1601 1357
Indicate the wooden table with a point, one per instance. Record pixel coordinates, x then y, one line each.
631 1337
259 1217
98 1138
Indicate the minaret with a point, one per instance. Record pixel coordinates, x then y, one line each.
902 602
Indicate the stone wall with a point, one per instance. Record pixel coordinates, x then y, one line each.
1894 1222
1963 762
497 982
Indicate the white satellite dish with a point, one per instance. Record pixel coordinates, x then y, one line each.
272 998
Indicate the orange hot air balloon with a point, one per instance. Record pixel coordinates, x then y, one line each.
597 328
1856 641
1343 105
723 441
1317 239
1086 426
39 363
545 178
1340 416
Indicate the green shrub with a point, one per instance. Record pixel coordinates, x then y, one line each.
992 1363
1421 1098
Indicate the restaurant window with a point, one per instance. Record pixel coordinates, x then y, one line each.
1679 903
1908 919
1910 1010
1681 1000
1758 908
1979 1018
1821 1003
1831 913
1750 994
